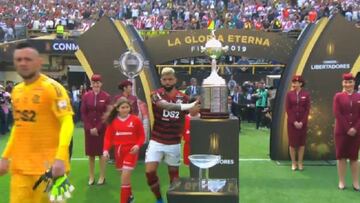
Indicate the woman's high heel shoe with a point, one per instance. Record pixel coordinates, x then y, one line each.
101 182
91 182
341 187
301 167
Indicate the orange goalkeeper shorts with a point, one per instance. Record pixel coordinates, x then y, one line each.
21 190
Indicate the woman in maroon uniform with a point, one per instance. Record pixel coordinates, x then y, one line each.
297 109
126 132
94 105
346 108
126 91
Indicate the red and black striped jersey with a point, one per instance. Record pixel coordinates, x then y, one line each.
168 124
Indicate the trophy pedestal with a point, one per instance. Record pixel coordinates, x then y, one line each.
220 137
212 191
206 114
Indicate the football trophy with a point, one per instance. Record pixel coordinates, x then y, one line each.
214 95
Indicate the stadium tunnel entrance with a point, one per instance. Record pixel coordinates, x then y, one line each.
315 54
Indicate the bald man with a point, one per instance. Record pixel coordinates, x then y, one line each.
42 129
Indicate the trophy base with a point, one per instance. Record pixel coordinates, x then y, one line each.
206 114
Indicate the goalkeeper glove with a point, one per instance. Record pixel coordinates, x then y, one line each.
58 188
61 189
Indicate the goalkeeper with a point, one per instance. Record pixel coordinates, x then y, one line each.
41 134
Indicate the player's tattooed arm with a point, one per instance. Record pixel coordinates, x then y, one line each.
160 102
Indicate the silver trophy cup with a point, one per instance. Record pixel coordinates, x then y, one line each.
214 89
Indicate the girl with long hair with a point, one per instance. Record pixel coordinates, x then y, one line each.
126 132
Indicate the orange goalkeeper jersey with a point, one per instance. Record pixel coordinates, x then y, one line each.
37 108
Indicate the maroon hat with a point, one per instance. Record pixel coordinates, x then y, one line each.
298 78
348 76
96 78
125 83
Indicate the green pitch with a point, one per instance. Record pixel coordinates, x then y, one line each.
261 180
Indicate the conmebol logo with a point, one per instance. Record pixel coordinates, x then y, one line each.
65 46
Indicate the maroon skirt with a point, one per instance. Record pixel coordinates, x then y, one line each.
297 137
94 144
347 147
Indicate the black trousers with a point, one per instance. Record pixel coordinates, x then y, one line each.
259 112
3 124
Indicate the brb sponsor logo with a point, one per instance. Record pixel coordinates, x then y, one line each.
171 114
65 46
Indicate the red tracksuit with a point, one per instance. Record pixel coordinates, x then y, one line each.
124 134
186 137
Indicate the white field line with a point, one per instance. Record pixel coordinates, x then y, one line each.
246 159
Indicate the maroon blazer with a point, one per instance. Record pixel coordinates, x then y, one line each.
298 106
347 115
347 112
297 109
93 108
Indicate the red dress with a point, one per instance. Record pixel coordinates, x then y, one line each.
124 134
297 109
347 114
92 109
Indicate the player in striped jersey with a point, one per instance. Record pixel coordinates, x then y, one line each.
169 106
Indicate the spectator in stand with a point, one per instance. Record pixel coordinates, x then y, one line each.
75 100
261 96
43 15
126 91
312 16
9 86
231 85
238 103
4 111
193 90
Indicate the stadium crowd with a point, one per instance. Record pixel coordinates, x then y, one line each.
44 15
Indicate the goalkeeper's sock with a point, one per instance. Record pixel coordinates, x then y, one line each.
153 182
125 193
